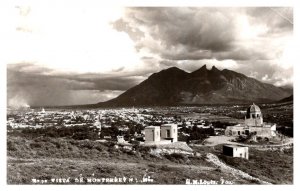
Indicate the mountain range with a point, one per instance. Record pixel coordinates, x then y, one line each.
174 86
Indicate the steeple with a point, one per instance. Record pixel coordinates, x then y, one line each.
253 116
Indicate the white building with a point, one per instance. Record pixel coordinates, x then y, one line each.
120 139
165 134
236 151
152 134
169 132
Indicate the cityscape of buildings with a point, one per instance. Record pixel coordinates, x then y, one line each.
122 119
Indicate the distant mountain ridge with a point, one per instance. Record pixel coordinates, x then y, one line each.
287 99
174 86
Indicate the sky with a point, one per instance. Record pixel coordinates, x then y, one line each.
81 52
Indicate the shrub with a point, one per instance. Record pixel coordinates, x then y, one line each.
110 144
35 145
131 152
177 156
57 144
87 144
142 149
165 168
11 146
105 169
151 165
43 139
99 147
258 139
266 139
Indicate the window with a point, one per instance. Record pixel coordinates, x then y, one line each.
153 133
247 132
168 133
253 115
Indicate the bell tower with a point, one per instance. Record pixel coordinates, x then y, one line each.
254 116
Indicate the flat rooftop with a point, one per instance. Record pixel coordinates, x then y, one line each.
235 146
152 127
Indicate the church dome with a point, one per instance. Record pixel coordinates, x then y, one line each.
253 109
254 116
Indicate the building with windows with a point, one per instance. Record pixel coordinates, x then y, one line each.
253 125
152 134
167 133
236 151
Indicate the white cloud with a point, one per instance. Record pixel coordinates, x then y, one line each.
69 37
265 78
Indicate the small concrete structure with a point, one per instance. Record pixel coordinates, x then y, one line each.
236 151
152 134
120 139
169 132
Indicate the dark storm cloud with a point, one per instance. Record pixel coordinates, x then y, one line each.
38 89
19 75
115 83
24 85
242 54
105 83
203 33
186 26
235 54
23 80
185 54
250 40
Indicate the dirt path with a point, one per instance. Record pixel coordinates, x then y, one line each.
216 140
235 172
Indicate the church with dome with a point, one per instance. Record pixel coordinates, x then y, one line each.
253 125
